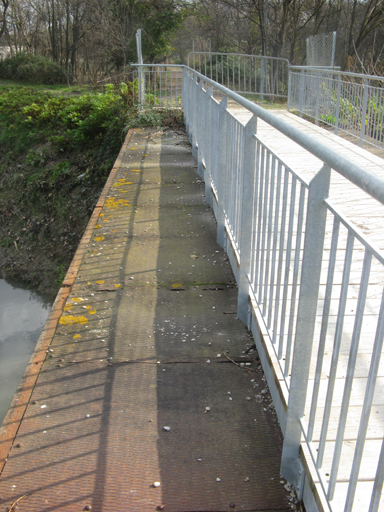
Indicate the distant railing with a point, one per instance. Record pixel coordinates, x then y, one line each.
351 102
244 74
157 85
310 288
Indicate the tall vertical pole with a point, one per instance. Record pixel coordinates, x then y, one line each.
140 61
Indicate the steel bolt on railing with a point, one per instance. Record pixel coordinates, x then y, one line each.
298 262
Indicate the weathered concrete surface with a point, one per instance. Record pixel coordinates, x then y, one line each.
150 312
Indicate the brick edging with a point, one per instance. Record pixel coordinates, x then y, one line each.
20 401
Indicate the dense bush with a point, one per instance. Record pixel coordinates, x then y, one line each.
29 68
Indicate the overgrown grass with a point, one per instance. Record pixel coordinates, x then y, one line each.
56 151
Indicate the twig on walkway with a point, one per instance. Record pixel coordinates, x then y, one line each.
11 508
232 361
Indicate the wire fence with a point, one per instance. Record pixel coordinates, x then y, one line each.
351 102
244 74
321 50
157 86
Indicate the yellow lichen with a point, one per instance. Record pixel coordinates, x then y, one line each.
117 285
70 319
98 238
76 336
68 307
136 170
100 282
98 226
92 312
113 203
177 285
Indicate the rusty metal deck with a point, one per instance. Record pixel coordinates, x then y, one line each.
140 338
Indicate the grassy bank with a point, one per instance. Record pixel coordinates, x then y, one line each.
56 151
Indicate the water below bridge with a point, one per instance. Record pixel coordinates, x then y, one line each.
22 316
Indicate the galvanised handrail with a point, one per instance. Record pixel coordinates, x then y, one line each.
243 73
371 184
351 102
300 266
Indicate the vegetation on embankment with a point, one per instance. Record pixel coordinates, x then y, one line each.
56 152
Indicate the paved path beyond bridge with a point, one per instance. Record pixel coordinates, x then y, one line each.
142 376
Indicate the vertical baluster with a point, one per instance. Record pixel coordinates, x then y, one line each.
269 235
295 278
378 484
287 270
274 245
324 327
364 418
305 325
336 349
281 255
261 172
222 170
350 372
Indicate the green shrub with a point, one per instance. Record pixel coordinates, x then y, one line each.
29 68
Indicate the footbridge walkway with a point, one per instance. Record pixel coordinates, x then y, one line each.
144 391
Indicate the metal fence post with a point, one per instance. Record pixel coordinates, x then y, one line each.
262 73
247 217
186 99
301 94
317 75
200 107
195 119
289 88
306 316
208 146
337 105
140 74
364 111
221 175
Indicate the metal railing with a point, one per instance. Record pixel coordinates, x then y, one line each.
351 102
310 288
157 85
244 74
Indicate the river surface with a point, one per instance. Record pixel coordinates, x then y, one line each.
22 317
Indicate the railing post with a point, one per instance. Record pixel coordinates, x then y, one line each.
208 146
200 108
364 111
184 98
337 105
222 173
247 217
301 94
195 119
317 75
262 73
289 88
306 316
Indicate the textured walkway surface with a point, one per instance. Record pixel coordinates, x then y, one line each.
138 340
